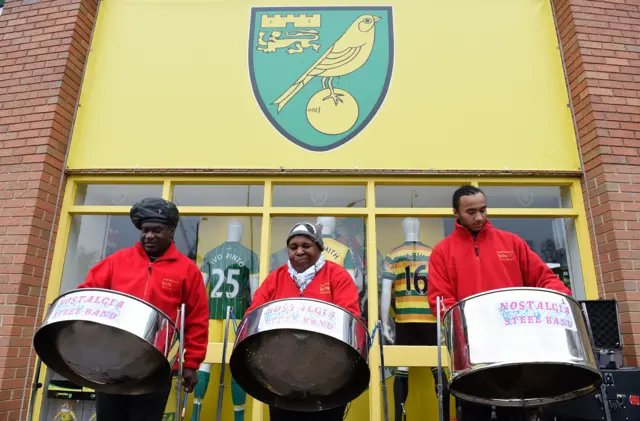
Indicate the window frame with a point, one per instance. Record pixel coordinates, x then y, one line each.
418 356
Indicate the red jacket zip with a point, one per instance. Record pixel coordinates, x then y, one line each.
144 296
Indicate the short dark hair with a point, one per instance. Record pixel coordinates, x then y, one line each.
467 190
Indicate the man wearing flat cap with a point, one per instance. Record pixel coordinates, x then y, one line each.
154 271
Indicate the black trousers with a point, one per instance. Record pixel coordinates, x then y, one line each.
336 414
475 412
132 408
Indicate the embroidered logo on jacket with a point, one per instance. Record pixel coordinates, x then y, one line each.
325 288
506 255
170 284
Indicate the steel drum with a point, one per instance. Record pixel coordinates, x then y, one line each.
301 354
108 341
519 347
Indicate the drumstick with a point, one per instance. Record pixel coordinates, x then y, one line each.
180 357
184 404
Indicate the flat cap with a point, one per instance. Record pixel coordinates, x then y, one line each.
154 209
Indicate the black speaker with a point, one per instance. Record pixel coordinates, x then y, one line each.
605 324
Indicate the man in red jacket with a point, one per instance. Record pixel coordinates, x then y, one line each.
154 271
475 258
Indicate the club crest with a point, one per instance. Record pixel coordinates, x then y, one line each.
320 74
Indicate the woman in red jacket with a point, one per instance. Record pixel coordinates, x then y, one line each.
307 274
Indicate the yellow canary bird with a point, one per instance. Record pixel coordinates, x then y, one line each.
346 55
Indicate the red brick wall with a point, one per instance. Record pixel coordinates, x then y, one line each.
601 43
43 47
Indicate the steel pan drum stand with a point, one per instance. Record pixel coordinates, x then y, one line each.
180 362
36 383
222 367
603 388
382 379
34 388
439 340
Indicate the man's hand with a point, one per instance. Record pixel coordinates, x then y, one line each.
190 379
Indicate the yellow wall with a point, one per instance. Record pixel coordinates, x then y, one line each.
475 85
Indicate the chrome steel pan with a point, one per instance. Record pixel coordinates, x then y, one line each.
108 341
519 347
301 354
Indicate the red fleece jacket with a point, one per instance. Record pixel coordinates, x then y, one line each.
166 283
332 284
461 266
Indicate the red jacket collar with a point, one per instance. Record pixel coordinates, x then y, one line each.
465 233
171 253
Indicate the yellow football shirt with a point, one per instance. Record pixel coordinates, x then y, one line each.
337 252
407 266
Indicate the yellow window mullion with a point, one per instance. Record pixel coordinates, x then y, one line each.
375 393
99 210
584 243
258 408
167 190
265 236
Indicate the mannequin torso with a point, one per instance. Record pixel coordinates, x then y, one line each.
405 276
230 272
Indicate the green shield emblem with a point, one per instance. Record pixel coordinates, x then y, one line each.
320 74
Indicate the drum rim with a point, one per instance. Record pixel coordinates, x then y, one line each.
559 398
318 301
88 383
151 306
530 403
494 291
234 362
511 364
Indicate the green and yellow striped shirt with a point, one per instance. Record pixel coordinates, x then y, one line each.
407 266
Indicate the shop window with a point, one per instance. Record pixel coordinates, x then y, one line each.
527 196
94 237
319 196
115 194
91 239
226 249
393 196
345 244
218 195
